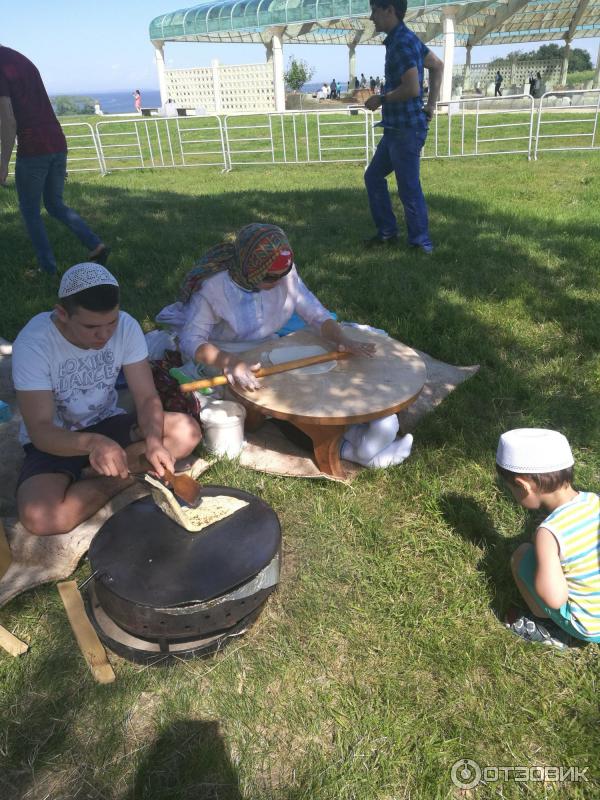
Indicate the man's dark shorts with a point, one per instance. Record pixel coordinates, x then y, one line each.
121 428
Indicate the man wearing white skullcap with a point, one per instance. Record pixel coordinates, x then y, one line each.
78 443
559 574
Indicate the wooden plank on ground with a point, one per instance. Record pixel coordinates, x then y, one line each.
5 554
87 638
11 644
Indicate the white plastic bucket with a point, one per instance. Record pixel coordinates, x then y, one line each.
223 426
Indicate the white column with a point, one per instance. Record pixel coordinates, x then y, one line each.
448 31
159 55
216 76
351 67
565 64
468 67
597 72
278 81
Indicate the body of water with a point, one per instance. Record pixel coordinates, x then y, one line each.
122 102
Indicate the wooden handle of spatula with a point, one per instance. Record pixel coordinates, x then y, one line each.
286 366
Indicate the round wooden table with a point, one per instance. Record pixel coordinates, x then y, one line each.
357 389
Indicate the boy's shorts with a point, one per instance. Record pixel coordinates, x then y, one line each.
561 616
122 428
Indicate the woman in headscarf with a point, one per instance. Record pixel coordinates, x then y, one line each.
238 295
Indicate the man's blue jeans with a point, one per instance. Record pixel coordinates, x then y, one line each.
399 152
38 177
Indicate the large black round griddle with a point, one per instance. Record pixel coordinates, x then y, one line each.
157 580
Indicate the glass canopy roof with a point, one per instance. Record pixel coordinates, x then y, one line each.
477 22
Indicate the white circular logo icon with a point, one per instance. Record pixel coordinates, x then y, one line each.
466 774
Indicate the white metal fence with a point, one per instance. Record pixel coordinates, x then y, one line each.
484 127
84 151
567 121
472 127
298 137
161 142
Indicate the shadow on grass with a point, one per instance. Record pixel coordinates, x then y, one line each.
53 717
47 695
188 761
456 305
468 519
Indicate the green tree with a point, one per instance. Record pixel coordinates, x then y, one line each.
579 60
68 105
297 74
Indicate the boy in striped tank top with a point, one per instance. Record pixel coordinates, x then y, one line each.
558 575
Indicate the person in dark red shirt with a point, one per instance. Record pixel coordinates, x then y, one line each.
26 115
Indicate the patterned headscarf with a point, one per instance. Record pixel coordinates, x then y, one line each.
259 250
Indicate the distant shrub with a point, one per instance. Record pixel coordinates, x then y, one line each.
574 78
69 104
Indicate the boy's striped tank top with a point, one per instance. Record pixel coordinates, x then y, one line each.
576 526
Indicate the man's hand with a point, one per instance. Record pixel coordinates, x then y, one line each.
160 458
429 110
241 374
373 102
3 175
108 458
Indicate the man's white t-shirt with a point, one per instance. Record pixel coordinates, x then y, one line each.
82 381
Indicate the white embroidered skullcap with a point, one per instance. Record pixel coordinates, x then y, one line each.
534 450
85 276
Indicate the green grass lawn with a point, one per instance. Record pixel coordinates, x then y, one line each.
381 660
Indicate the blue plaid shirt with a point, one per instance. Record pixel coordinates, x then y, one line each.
403 50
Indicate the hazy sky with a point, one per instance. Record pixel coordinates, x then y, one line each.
104 46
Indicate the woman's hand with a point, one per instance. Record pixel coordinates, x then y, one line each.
241 374
333 331
355 347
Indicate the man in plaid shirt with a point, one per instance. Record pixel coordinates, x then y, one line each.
405 123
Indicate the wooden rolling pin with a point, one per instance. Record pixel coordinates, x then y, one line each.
221 380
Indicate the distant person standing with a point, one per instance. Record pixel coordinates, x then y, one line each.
333 90
405 124
537 85
170 108
356 83
27 116
498 84
363 81
137 101
372 84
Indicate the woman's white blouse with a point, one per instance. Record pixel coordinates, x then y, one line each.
225 315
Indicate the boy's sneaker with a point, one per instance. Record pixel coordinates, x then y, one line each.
534 629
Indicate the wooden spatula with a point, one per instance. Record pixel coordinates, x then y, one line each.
182 485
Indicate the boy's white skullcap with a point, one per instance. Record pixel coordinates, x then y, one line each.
85 276
534 450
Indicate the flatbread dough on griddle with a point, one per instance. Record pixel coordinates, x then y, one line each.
210 510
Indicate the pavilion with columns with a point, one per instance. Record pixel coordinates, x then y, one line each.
444 23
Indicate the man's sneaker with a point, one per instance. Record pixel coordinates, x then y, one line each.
533 629
377 241
424 248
